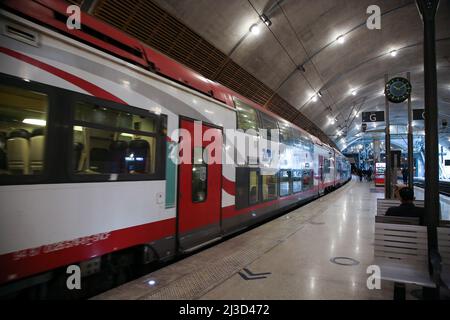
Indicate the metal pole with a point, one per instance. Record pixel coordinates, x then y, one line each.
410 141
428 9
387 143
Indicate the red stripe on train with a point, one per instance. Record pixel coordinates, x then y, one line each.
16 265
83 84
229 186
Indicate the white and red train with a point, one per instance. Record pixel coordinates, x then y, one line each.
84 168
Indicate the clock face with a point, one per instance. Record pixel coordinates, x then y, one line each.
398 90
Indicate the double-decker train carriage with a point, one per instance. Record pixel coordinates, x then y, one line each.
86 123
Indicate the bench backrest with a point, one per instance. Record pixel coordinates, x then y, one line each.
384 204
401 244
398 220
444 247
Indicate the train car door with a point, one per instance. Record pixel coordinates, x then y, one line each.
199 193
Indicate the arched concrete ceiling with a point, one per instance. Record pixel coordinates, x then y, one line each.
304 32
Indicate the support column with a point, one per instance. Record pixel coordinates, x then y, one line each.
410 142
387 143
428 10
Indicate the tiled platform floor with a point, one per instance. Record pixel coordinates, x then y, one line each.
295 249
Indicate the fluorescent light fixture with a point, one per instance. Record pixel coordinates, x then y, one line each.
151 282
340 39
26 80
393 53
254 29
78 128
36 122
354 92
315 98
127 135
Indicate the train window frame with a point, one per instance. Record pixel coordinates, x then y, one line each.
277 187
237 104
264 118
289 181
259 181
196 164
286 127
297 178
50 137
158 135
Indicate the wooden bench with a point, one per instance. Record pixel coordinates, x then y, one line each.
401 252
384 204
444 251
398 220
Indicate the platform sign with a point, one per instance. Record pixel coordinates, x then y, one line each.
419 114
373 116
380 169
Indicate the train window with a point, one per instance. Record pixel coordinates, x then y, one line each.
285 132
110 141
199 177
98 151
92 113
23 124
269 183
296 181
307 179
326 166
285 185
253 187
246 115
268 123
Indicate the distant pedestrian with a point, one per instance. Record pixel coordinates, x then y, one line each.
405 176
360 174
369 174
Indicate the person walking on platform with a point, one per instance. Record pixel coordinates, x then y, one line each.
360 174
369 174
405 175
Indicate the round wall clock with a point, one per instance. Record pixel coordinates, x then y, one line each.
398 89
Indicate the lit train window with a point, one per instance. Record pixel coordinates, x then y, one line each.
296 181
253 187
108 141
269 187
92 113
23 124
246 116
285 188
199 176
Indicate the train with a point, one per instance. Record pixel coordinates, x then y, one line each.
87 117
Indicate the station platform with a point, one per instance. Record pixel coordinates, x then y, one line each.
318 251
